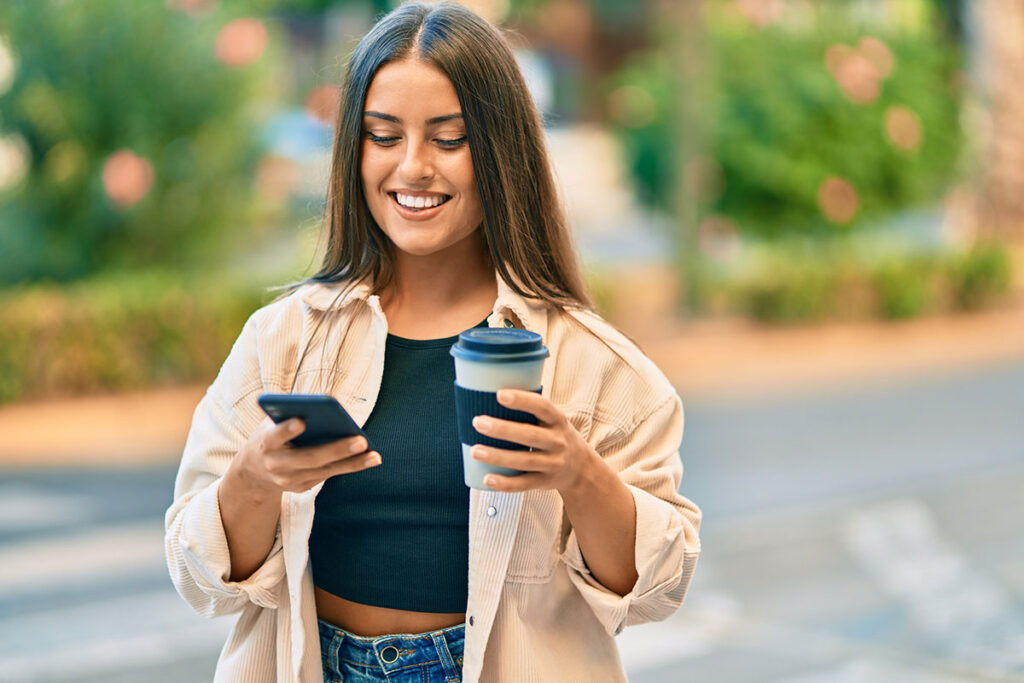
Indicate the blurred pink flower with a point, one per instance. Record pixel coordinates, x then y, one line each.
127 178
878 53
192 7
322 103
837 199
859 72
242 42
903 127
760 12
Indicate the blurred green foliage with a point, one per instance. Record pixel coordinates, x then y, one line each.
795 280
980 277
96 77
117 331
776 123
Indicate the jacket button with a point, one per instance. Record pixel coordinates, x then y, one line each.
491 511
470 619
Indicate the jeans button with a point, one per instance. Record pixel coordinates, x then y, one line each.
389 655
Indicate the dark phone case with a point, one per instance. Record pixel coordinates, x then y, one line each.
326 420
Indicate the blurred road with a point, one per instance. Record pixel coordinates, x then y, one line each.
860 534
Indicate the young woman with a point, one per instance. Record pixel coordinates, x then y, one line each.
345 563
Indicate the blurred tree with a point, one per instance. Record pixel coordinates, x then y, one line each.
132 127
812 121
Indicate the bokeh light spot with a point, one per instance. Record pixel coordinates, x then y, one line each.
8 66
903 128
718 238
14 161
127 178
878 53
860 72
242 42
491 10
192 7
760 12
632 106
66 160
277 177
838 200
322 103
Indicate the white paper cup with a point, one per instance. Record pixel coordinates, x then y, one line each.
491 359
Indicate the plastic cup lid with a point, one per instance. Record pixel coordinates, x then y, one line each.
499 345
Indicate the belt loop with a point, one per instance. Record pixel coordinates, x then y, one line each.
452 673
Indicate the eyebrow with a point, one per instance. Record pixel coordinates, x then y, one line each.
395 119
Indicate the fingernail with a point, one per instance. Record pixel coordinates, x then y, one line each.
490 480
482 422
375 460
505 396
294 426
479 453
357 446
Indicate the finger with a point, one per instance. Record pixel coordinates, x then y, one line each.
522 482
521 433
325 455
364 461
517 460
307 479
281 433
533 403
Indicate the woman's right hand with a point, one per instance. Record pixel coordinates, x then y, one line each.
267 463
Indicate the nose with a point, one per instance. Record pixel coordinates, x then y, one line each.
417 164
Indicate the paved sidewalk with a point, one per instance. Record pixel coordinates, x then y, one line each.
705 359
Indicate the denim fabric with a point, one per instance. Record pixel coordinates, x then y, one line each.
434 657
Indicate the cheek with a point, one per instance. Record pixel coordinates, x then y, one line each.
372 168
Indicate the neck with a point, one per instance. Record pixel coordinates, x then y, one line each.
439 294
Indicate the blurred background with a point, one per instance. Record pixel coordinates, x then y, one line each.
809 213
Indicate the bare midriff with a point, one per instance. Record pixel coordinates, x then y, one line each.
370 620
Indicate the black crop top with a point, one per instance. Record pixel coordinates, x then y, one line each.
396 535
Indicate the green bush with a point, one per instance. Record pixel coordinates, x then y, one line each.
797 295
795 281
904 288
92 78
980 276
118 332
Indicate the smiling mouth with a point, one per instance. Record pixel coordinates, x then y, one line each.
419 203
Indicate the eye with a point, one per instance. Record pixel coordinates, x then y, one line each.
384 141
451 144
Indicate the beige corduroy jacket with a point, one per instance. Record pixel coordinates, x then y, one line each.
534 612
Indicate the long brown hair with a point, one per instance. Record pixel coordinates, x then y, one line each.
524 227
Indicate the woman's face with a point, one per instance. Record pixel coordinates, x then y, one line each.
416 168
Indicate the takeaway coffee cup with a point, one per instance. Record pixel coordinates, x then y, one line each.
488 359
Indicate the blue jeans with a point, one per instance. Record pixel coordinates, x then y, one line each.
433 657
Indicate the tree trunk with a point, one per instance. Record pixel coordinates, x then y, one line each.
999 29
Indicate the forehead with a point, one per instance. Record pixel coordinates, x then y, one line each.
412 90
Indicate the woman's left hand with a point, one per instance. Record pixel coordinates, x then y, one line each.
560 458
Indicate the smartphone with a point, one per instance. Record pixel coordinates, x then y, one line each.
326 420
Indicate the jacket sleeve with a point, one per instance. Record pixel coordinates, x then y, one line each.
195 542
667 545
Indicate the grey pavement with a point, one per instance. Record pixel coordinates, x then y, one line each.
862 534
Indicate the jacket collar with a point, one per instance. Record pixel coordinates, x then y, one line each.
522 312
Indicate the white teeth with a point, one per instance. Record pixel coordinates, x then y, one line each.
419 202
